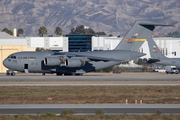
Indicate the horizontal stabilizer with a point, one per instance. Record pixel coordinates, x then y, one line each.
152 61
156 24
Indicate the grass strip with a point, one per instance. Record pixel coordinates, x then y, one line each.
50 116
89 94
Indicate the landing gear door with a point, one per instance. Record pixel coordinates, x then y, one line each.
26 68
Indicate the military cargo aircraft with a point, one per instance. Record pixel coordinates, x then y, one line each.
158 58
79 63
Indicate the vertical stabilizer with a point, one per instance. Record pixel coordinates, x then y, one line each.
154 50
137 35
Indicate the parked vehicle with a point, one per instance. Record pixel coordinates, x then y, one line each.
159 70
171 70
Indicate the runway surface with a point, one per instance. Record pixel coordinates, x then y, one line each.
94 76
90 79
90 109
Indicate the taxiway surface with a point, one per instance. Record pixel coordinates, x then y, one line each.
90 109
90 79
94 76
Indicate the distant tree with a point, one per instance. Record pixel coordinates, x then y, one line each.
91 31
109 69
174 34
101 33
42 30
72 31
138 61
81 30
38 49
110 35
42 49
4 30
58 31
7 31
20 31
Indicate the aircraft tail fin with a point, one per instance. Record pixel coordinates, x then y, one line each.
154 50
137 35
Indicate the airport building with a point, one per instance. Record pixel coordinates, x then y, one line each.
11 44
79 43
104 43
53 43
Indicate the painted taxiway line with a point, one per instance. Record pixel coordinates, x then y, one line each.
89 84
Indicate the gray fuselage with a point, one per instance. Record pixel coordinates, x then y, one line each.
169 62
34 61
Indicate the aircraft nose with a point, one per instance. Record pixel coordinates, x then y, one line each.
5 63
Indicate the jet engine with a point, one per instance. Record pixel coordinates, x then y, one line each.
72 63
52 61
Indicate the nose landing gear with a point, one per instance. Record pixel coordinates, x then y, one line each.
10 73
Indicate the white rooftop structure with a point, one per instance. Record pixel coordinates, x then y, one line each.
6 39
53 43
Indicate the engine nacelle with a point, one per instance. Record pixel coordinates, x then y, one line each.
72 63
52 61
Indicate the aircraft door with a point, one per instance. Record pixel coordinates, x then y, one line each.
26 68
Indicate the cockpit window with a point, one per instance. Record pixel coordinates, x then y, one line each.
12 56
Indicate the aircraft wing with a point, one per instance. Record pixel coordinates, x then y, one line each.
92 58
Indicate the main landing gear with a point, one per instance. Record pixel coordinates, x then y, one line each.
68 74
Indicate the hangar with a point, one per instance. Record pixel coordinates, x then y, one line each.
10 44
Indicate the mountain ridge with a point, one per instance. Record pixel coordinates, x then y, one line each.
111 16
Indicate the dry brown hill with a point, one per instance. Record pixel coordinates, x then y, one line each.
112 16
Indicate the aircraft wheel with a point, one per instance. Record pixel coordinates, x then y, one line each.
59 74
67 74
12 74
79 74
